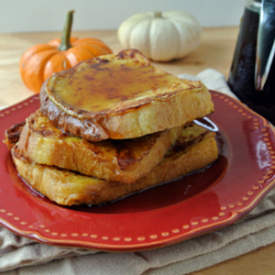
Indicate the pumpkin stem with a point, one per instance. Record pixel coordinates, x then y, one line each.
158 14
66 36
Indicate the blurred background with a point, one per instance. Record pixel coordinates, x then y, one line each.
45 15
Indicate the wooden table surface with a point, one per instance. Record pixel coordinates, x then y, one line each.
215 51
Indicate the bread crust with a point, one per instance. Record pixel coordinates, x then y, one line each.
168 101
68 188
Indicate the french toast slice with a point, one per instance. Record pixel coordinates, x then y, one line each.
121 96
68 188
124 160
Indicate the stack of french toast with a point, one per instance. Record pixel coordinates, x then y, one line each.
112 126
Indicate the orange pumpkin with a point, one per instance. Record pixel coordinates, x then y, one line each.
41 61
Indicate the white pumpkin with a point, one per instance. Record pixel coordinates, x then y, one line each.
161 36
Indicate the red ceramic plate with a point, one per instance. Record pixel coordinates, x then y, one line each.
170 213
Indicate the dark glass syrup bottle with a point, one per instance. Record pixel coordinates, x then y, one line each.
242 74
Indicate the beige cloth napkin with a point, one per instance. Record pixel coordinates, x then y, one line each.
256 230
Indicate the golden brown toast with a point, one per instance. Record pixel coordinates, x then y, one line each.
13 133
124 160
68 188
121 96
